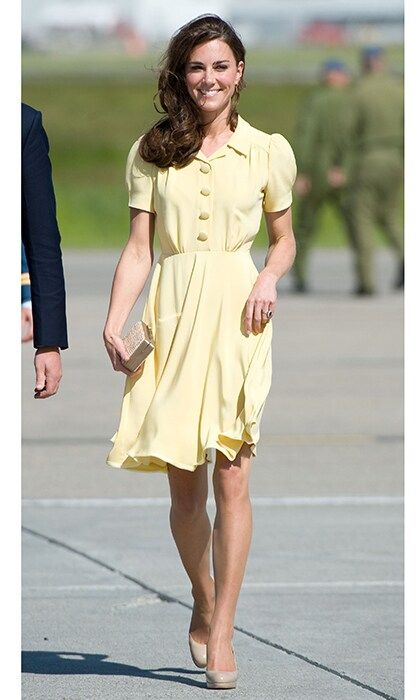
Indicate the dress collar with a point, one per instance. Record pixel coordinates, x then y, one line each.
240 137
239 141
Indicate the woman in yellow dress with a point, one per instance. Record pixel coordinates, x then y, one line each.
200 178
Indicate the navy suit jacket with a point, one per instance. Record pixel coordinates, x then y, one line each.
41 236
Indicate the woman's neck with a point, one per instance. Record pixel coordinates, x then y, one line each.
217 124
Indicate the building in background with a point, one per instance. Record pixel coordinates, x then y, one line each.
79 24
134 24
318 22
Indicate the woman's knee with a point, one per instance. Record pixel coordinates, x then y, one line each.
188 493
231 479
188 506
229 487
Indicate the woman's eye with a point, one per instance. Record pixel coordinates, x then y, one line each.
198 68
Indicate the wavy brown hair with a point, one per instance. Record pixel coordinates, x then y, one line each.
177 137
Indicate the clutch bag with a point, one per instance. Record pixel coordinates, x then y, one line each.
139 343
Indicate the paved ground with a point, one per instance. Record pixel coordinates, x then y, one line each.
106 603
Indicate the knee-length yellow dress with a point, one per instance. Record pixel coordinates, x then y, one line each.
205 384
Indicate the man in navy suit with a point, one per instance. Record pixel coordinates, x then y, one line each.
41 238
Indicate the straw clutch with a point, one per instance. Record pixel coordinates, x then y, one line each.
139 343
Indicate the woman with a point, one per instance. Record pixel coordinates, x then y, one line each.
200 177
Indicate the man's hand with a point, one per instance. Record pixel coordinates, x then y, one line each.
303 185
27 324
336 177
47 372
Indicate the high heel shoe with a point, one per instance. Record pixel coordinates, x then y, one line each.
222 679
198 652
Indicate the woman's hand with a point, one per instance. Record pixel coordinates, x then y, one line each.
116 351
130 277
262 298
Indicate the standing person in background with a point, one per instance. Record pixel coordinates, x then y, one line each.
321 154
376 173
26 304
41 238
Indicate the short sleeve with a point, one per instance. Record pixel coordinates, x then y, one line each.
281 174
140 177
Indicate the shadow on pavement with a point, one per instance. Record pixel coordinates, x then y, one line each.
77 663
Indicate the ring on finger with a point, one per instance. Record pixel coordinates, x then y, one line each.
268 314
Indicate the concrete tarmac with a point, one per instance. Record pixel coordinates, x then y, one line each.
106 601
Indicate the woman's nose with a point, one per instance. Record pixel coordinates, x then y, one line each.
209 76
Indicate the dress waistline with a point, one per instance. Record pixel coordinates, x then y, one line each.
240 251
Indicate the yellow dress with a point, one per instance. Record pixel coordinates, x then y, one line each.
205 384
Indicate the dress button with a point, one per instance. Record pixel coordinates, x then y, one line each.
205 168
204 216
205 191
202 236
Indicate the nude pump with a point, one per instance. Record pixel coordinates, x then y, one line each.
198 652
222 679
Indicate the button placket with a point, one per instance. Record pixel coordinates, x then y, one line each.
204 215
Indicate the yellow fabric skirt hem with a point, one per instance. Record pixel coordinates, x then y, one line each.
155 463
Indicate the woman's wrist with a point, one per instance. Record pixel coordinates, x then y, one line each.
270 274
111 332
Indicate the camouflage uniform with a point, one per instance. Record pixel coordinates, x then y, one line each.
376 170
321 144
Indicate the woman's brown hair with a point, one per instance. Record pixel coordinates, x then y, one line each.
177 137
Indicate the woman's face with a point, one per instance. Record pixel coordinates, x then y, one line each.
211 75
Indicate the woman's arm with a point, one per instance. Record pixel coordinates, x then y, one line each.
282 245
279 259
130 277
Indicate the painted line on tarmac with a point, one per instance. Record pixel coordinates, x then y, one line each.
329 439
254 584
82 587
324 584
171 599
268 439
304 584
256 501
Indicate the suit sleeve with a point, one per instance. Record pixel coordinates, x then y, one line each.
41 238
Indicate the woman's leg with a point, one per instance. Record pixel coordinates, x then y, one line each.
232 535
191 529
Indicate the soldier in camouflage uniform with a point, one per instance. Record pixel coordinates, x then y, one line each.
322 154
375 176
